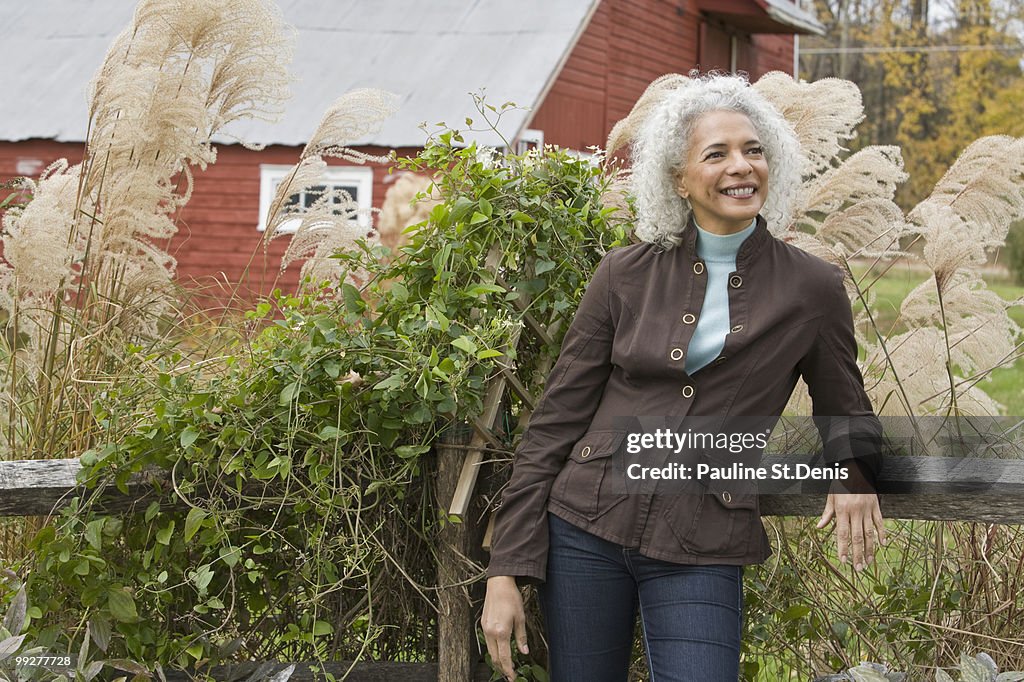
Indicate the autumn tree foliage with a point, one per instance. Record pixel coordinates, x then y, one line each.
934 75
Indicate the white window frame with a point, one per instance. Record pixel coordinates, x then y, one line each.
360 177
531 138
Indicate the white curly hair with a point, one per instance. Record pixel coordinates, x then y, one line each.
659 153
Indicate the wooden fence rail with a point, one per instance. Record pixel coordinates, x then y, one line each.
932 488
935 488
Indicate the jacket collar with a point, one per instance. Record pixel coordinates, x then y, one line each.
748 249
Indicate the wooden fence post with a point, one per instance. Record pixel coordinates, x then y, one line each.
456 645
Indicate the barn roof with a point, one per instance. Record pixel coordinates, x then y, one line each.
762 16
432 54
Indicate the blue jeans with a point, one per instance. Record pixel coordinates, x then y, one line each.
692 616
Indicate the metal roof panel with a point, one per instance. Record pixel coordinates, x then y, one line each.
432 54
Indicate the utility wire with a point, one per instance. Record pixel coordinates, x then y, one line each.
911 48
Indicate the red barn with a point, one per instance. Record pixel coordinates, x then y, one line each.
579 65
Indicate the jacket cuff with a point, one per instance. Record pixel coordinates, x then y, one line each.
860 478
525 572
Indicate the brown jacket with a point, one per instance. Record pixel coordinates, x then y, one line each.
625 354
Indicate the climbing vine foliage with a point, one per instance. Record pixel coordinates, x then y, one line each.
289 510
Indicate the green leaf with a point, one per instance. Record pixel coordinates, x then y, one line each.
193 522
463 205
796 612
543 266
486 208
92 670
432 313
17 612
94 533
423 384
201 577
478 289
477 219
230 555
163 536
122 606
521 217
188 436
399 292
410 451
331 432
465 343
321 628
393 381
353 299
288 393
128 667
10 645
332 368
45 536
840 629
489 353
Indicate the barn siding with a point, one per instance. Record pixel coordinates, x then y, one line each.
626 45
772 53
217 230
629 43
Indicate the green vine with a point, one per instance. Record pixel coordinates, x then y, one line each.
289 512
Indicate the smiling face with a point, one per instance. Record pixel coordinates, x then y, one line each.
725 177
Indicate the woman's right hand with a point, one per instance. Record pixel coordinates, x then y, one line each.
503 614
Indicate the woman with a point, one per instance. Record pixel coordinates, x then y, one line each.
708 315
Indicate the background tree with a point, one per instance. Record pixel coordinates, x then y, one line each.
934 75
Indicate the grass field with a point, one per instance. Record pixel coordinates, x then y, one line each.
1005 385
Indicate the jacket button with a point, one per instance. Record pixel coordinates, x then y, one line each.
677 354
737 329
585 453
735 281
687 391
698 268
727 497
688 318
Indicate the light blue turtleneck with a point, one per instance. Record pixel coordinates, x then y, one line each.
719 255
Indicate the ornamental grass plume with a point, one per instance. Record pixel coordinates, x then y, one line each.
171 80
823 114
972 206
35 237
966 216
952 330
845 206
623 131
84 272
331 224
407 202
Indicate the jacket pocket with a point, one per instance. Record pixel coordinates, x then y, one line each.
715 524
587 484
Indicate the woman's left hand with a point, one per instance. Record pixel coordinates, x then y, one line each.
858 519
